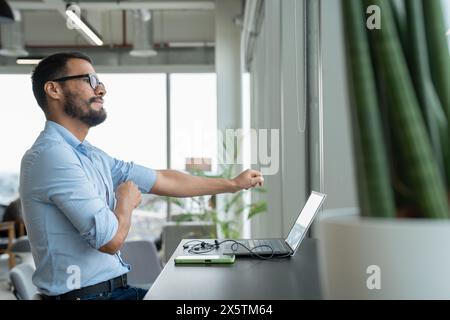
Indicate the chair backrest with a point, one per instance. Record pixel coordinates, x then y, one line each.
144 260
22 251
174 232
23 287
21 244
13 212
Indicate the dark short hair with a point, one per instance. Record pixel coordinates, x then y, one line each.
52 67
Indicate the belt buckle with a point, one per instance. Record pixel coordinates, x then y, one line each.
123 279
118 282
111 285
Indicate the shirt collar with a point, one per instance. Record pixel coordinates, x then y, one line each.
63 132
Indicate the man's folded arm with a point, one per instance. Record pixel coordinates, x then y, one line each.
67 186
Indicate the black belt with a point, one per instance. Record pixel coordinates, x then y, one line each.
102 287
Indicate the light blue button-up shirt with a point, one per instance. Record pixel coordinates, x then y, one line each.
67 193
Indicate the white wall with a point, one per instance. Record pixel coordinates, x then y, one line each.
340 184
267 113
294 119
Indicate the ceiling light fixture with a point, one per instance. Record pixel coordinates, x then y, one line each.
13 43
143 35
87 30
28 60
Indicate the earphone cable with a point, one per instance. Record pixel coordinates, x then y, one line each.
202 247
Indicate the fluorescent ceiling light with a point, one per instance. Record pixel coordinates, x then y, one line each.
143 53
84 28
27 60
190 44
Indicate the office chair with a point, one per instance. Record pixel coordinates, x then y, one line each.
21 251
20 277
174 232
144 260
11 227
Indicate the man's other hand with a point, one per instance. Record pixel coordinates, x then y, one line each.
248 179
128 194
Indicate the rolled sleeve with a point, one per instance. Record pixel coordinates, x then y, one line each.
122 171
104 229
143 177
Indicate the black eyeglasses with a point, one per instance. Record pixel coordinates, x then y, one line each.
93 79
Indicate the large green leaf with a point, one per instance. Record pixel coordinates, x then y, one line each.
376 196
421 75
440 67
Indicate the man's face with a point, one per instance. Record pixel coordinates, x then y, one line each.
81 101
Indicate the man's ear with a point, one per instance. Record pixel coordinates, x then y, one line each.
53 90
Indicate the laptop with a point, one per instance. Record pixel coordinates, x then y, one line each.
280 247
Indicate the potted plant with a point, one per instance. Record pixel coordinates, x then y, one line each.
397 244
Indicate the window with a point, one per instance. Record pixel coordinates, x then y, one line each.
21 120
135 129
193 115
193 123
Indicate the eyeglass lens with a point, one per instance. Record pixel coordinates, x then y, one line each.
95 82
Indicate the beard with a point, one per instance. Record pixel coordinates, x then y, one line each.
73 107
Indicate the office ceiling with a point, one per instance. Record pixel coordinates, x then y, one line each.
181 25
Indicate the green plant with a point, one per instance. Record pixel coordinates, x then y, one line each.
228 216
400 88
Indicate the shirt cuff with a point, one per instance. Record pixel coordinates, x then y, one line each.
104 229
142 176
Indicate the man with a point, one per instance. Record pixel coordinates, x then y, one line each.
77 201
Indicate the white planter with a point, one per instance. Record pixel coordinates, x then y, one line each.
413 257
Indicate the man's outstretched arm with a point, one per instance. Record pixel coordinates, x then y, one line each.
177 184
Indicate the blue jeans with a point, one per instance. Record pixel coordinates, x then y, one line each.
124 293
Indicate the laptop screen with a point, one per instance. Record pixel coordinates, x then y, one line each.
305 219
